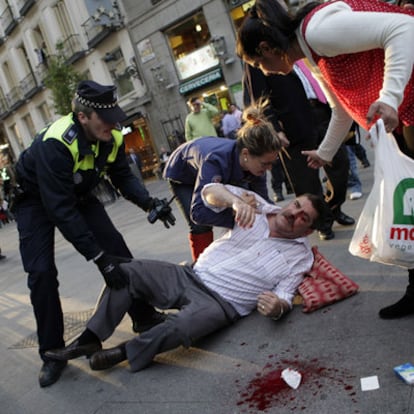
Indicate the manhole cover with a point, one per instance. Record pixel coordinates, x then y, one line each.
75 323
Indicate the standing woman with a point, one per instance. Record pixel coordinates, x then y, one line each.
359 51
242 162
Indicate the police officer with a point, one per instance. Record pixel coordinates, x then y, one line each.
56 176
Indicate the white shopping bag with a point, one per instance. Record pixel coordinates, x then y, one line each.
385 229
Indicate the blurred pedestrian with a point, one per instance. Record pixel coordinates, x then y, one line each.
135 163
354 182
230 125
164 155
199 122
235 111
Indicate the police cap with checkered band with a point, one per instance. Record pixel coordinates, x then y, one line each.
102 98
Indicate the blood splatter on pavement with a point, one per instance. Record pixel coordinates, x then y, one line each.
267 389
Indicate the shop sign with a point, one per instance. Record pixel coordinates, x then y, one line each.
201 81
145 50
196 62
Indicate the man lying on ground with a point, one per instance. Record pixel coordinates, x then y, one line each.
256 265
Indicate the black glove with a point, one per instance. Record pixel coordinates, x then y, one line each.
114 277
16 195
161 210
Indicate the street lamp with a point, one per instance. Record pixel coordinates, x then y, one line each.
220 49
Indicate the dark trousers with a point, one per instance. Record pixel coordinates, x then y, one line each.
360 153
410 287
337 175
278 177
338 172
184 196
37 240
307 180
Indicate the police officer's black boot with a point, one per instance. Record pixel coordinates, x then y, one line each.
405 306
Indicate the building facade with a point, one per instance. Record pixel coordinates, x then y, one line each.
93 38
159 53
185 48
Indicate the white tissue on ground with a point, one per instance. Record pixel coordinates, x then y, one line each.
292 377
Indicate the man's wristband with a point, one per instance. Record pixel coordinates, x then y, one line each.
277 317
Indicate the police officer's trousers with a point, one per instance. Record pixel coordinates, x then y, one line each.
37 240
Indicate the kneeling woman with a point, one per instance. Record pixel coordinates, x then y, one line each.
242 162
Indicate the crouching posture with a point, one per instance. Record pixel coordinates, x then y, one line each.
258 264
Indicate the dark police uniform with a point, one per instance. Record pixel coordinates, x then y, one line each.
57 174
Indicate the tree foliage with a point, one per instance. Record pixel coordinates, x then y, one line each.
62 79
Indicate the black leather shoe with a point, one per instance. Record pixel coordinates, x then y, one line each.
343 219
404 307
148 323
326 234
107 358
74 350
51 372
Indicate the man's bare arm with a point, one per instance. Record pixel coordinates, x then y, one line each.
218 195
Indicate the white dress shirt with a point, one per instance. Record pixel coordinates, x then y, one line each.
246 262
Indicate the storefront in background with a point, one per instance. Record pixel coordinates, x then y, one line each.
138 138
193 55
205 64
197 63
238 10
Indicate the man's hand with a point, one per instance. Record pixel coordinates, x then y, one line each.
388 114
313 159
250 199
114 277
245 209
269 304
244 206
161 210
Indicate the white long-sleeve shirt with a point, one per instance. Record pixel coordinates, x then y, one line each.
246 262
336 29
